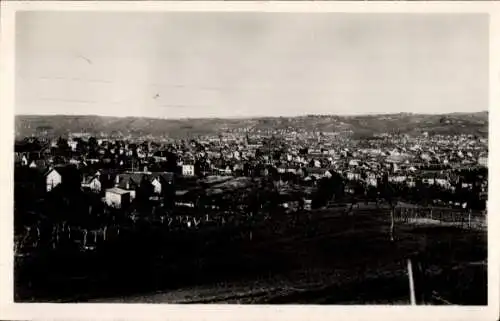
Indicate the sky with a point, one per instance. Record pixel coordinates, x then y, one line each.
206 64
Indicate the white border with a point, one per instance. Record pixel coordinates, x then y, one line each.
11 311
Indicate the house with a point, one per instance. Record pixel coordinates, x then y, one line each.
483 161
117 197
410 182
129 182
39 163
307 204
354 162
397 178
92 182
157 185
371 181
24 160
317 172
160 180
75 161
52 179
443 182
72 144
429 181
353 176
187 169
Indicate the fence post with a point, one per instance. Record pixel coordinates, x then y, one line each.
470 212
411 283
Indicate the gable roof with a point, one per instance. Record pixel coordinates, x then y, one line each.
89 179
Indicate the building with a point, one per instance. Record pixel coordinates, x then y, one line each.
129 182
188 170
353 176
155 181
93 183
307 204
483 161
52 179
117 197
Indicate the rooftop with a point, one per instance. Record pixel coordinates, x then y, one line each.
116 190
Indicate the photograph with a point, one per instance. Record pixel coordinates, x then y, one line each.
250 157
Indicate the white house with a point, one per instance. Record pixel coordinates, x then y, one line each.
24 160
187 170
52 179
353 176
429 181
425 156
443 182
72 144
371 181
93 183
354 162
156 185
117 197
397 178
483 161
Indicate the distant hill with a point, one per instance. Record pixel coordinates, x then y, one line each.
367 125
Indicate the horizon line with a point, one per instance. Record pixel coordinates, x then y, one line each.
256 116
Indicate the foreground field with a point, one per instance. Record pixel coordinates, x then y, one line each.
325 257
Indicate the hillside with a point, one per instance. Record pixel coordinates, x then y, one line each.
470 123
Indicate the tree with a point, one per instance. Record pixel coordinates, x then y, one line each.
63 148
171 165
144 192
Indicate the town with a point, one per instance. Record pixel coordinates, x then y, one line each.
86 198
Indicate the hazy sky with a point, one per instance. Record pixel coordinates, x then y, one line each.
249 64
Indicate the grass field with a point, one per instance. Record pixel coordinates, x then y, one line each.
323 257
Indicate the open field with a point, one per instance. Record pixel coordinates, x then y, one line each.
322 257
